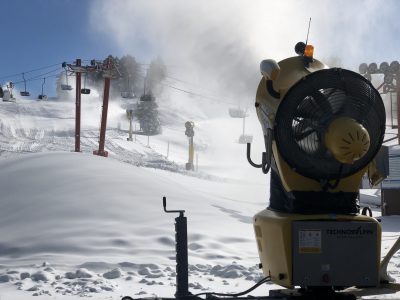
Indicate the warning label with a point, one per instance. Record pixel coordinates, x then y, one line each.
310 241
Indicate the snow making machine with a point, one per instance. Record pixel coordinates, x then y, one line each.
323 128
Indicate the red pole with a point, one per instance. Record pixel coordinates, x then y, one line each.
103 128
78 110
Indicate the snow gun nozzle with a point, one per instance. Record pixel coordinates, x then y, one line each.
181 212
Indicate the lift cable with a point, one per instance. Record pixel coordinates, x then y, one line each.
30 71
194 85
212 98
212 95
36 79
40 76
197 94
169 85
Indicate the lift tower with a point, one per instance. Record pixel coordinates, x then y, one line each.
108 69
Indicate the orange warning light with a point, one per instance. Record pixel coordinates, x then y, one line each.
309 51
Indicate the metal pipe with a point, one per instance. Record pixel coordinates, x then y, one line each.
391 109
191 154
44 81
249 157
244 124
78 109
23 76
398 105
130 126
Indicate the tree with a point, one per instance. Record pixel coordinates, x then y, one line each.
147 114
156 73
129 70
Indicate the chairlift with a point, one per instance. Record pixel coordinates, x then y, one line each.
147 97
85 90
25 93
43 96
237 113
127 95
66 87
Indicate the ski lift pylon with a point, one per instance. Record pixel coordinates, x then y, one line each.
24 93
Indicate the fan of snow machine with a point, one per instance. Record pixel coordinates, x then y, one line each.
308 109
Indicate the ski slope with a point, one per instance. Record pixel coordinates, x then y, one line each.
76 225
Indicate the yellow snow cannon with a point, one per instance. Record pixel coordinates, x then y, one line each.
323 127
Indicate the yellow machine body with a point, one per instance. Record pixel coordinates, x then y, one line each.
294 181
290 71
274 229
273 232
347 140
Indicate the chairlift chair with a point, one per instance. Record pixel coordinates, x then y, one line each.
43 96
237 113
66 87
147 97
127 95
245 138
85 91
24 93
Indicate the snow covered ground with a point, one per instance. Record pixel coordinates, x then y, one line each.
74 224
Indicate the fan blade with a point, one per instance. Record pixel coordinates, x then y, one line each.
315 106
304 134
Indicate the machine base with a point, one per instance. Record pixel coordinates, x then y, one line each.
312 294
284 294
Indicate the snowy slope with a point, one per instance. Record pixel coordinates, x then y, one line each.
74 209
83 225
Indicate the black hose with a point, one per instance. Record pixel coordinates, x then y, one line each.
262 281
249 157
365 210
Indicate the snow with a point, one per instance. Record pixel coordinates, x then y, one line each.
77 225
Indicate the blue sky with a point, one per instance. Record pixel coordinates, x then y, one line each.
211 39
37 33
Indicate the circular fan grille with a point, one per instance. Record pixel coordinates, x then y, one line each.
311 105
